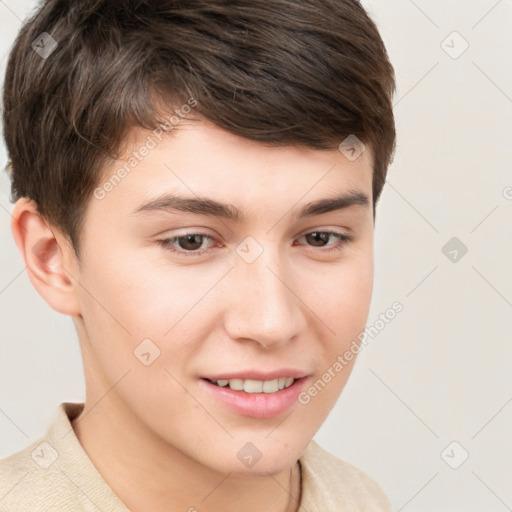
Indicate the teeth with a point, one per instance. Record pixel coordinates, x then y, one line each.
253 386
270 386
257 386
236 384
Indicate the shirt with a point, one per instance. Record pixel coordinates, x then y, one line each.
55 474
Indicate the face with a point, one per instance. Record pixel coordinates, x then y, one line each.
262 285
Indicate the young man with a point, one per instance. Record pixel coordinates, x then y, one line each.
196 186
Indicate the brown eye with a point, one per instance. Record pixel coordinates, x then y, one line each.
319 238
190 244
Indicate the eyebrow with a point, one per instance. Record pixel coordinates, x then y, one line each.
206 206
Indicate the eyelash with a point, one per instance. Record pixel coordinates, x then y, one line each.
166 243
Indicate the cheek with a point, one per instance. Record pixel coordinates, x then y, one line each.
128 301
342 297
135 295
342 302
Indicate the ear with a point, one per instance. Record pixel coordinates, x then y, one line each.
46 257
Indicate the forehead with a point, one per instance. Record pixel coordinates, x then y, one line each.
199 159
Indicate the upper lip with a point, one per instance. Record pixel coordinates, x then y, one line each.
258 375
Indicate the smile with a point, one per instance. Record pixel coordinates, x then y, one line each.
256 386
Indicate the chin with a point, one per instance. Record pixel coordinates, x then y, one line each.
263 458
262 468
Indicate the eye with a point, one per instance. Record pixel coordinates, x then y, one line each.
189 243
318 239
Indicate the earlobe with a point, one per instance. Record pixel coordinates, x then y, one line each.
44 257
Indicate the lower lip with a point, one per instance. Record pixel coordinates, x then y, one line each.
256 405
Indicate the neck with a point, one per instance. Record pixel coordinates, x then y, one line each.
147 473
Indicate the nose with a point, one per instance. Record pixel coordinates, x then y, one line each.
262 304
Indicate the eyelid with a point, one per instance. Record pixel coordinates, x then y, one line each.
343 237
167 243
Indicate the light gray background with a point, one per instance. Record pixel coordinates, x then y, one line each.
441 370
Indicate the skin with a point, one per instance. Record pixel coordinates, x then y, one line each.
159 440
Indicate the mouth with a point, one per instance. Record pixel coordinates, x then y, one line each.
253 385
254 398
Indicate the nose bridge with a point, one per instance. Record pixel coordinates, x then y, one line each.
262 305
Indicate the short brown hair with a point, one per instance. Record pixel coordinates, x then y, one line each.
307 72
